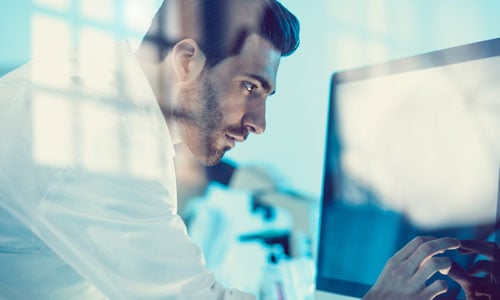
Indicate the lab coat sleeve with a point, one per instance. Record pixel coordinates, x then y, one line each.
120 235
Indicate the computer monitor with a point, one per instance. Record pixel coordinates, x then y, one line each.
413 148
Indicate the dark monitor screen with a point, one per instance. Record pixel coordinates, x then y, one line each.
413 148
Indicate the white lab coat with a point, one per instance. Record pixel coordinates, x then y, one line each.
87 188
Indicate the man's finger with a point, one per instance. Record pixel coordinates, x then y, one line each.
460 276
488 249
434 289
407 250
433 265
430 248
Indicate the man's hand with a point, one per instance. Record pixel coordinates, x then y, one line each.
482 281
405 274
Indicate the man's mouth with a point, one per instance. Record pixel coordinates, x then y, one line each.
231 141
236 137
233 138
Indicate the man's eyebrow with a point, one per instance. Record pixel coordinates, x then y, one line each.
265 84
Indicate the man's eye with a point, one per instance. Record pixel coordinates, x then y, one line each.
250 87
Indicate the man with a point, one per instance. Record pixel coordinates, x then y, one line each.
87 186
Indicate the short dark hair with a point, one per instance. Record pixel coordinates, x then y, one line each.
277 24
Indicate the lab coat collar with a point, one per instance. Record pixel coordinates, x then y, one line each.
139 91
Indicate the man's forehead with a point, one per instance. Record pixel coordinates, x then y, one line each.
260 51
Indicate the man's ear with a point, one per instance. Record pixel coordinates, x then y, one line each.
188 59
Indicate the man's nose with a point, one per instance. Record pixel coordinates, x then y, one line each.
255 120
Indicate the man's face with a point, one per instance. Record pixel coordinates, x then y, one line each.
227 102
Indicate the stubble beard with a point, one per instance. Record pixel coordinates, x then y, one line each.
201 118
